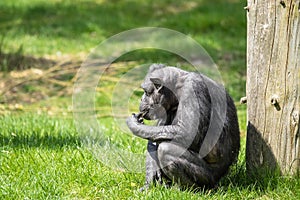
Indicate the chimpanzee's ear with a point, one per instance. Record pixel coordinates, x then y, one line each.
157 83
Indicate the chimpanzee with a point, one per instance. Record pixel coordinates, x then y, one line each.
184 105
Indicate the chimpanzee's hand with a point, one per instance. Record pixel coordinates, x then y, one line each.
133 122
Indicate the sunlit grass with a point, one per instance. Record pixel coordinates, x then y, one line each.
42 156
55 29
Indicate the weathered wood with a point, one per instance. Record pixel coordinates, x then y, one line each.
273 85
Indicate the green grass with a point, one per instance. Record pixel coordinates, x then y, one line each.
74 27
61 24
43 157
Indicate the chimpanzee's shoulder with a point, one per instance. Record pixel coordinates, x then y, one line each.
194 77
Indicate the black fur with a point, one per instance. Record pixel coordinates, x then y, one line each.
183 104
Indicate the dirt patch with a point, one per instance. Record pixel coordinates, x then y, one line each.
29 79
38 79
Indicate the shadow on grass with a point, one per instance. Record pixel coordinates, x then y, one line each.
17 61
216 19
68 19
260 174
240 179
47 27
37 140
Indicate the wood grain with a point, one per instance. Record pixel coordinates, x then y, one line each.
273 84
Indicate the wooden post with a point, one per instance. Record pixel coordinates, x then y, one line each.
273 85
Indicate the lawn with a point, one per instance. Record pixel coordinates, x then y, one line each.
43 157
43 43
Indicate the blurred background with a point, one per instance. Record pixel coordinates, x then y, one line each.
42 45
36 35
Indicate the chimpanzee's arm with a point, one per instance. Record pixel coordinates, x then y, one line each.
152 133
184 131
184 127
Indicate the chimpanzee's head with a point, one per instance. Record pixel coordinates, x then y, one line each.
157 99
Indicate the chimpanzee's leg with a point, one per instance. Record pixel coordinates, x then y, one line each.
184 167
153 171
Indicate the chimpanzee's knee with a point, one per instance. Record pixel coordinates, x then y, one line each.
168 155
184 167
164 155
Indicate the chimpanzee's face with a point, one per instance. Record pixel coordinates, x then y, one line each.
157 100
